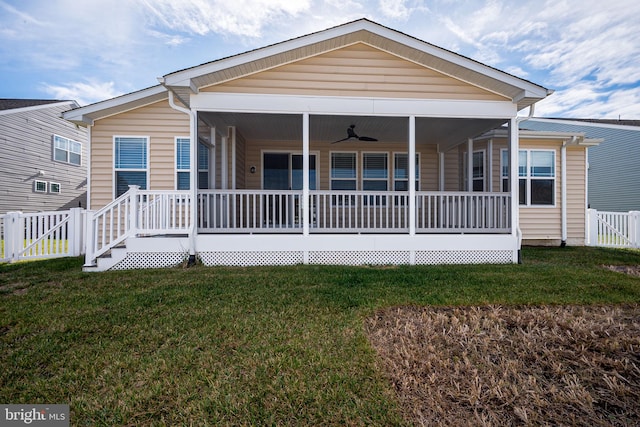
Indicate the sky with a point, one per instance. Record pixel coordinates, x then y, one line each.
587 51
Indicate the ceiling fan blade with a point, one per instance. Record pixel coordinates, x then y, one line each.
366 138
340 140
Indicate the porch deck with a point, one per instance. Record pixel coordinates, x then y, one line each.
253 227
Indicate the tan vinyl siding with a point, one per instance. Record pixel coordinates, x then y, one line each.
428 160
160 123
356 70
576 195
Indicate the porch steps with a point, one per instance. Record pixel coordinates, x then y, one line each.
108 259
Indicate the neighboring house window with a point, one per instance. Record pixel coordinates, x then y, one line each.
401 172
54 188
182 164
536 171
131 162
40 186
67 150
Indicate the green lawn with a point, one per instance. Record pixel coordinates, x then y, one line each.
246 346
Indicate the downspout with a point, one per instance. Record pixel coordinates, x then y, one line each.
193 178
563 191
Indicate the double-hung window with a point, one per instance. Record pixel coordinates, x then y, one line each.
343 176
67 150
130 162
537 176
478 171
183 163
401 172
375 176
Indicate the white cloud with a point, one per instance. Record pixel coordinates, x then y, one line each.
239 17
395 9
84 93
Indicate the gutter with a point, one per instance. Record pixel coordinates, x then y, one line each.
193 176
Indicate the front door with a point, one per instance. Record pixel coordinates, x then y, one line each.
283 171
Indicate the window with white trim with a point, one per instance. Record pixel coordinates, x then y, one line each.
40 186
182 163
67 150
203 166
54 188
537 176
375 171
343 171
401 172
130 162
478 171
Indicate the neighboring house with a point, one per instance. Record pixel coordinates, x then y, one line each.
614 165
42 157
354 145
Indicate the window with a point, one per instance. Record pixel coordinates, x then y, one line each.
504 170
343 171
182 164
40 186
130 162
375 172
54 188
478 171
401 172
203 166
536 171
67 150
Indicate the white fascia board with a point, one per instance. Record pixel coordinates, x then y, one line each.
289 104
568 137
88 113
587 124
37 107
183 78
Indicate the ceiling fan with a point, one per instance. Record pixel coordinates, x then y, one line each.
351 134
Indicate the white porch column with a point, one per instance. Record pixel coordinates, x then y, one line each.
232 131
224 162
212 158
440 170
513 177
412 175
489 162
193 184
470 164
305 179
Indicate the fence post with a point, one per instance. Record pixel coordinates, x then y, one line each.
90 236
133 214
76 230
13 236
634 228
592 227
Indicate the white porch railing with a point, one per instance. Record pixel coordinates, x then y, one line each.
137 212
41 235
613 229
269 211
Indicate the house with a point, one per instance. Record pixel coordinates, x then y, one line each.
42 156
353 145
614 165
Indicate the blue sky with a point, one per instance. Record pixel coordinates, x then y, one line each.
588 51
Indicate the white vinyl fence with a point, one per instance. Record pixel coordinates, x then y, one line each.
613 229
42 234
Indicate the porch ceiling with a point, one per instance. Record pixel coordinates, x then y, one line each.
447 132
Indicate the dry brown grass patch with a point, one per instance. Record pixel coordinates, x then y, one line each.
570 365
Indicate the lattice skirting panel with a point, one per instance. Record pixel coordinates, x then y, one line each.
135 260
464 257
251 258
359 257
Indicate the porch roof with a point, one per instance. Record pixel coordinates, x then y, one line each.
522 92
